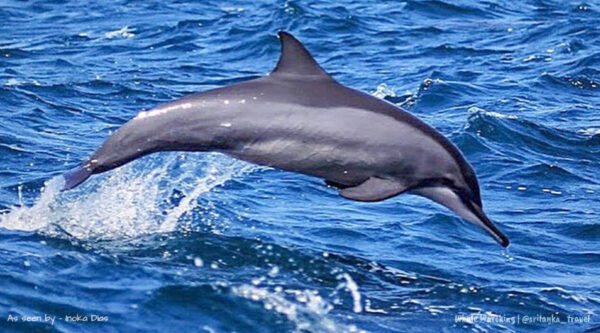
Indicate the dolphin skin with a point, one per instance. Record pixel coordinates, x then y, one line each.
300 119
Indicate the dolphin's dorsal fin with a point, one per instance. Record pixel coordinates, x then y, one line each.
295 58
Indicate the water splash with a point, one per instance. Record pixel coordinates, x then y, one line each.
352 287
305 308
131 201
33 218
124 32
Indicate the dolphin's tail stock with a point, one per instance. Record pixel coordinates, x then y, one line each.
75 177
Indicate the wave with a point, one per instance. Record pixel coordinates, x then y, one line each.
441 9
584 79
453 50
529 137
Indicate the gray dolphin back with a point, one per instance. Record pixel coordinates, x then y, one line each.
300 119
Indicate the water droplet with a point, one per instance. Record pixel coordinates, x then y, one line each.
198 262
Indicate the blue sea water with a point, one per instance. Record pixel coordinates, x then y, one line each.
204 243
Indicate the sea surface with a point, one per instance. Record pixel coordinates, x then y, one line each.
190 242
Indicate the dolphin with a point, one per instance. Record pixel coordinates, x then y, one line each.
299 119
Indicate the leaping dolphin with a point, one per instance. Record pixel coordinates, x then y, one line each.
298 118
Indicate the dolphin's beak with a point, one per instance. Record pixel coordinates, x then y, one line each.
468 210
483 221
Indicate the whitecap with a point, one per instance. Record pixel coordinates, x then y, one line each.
124 32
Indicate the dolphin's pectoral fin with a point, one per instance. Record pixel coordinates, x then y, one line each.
374 189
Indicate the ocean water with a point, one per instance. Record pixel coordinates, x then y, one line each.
204 243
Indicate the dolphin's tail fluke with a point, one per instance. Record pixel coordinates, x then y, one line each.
75 177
